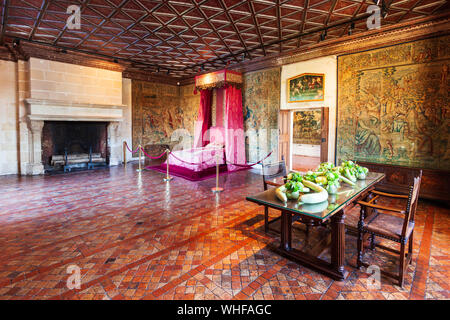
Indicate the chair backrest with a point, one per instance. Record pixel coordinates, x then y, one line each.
413 199
273 170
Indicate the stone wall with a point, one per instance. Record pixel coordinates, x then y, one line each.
8 118
68 82
56 83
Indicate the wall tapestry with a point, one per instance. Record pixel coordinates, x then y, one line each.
261 104
306 127
306 87
393 105
159 110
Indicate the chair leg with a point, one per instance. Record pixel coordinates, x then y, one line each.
372 242
402 264
360 249
410 246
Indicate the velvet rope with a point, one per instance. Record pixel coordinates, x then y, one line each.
187 162
137 149
149 156
235 164
250 165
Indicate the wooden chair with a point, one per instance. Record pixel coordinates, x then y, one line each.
392 227
271 171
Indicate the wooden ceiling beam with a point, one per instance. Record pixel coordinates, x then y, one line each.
233 24
316 30
96 27
302 26
278 9
166 25
4 18
194 31
41 13
255 21
58 37
345 29
205 17
183 36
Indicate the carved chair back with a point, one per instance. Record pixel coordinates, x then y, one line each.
273 170
413 199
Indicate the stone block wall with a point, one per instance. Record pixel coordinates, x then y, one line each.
55 82
68 82
8 118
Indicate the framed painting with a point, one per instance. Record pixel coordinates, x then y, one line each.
306 87
307 127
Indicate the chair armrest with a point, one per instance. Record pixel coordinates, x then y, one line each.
391 195
273 183
376 206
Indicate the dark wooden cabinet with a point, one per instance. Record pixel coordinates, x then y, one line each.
435 183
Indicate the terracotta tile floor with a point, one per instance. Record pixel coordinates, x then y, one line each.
135 237
304 163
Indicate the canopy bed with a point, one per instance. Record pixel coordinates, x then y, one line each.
219 129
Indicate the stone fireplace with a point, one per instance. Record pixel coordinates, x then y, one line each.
80 141
97 127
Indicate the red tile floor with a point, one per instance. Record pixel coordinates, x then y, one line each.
136 237
304 163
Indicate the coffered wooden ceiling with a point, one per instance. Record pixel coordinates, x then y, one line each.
183 36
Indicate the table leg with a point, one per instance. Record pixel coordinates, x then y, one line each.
286 231
289 228
338 243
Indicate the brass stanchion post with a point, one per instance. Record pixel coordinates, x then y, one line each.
140 154
125 153
217 189
167 178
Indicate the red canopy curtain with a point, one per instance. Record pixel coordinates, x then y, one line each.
204 119
234 128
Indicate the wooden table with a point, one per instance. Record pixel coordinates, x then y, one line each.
333 209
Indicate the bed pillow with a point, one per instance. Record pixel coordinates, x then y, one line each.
217 136
214 145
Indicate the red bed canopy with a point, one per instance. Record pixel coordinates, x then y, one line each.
229 105
218 79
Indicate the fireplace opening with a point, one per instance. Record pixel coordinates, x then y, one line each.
68 145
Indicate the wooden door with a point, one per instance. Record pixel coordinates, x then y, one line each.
284 135
324 135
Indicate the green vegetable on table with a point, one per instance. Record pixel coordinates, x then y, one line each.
361 172
324 181
353 171
293 189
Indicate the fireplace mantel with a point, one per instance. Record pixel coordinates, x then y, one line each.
39 111
56 110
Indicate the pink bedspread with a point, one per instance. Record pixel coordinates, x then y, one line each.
197 159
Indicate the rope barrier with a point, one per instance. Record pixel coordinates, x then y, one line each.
227 162
149 156
137 149
249 165
187 162
193 163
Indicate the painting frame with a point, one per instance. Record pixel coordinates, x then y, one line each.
288 87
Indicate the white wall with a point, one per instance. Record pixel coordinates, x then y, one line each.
328 66
8 118
127 114
310 150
